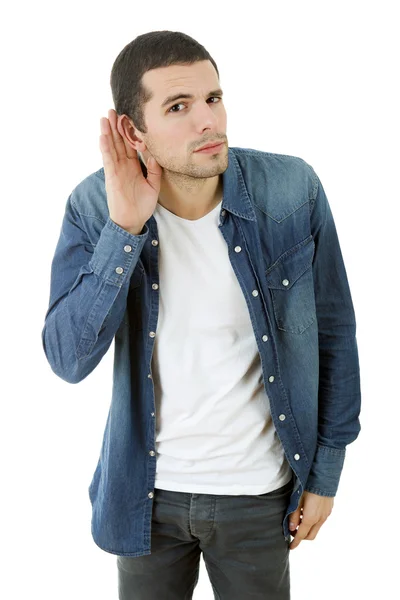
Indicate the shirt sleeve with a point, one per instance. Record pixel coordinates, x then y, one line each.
339 393
88 293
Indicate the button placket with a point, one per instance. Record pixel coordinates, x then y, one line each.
271 378
154 287
152 335
254 292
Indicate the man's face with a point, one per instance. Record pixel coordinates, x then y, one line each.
178 128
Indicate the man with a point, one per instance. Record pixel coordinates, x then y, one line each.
220 278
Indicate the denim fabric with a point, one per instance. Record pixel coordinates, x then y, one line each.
240 538
292 274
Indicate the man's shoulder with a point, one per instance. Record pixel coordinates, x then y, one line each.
274 159
274 172
89 195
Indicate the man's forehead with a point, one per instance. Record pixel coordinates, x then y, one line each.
165 81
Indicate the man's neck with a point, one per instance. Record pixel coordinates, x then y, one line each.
195 207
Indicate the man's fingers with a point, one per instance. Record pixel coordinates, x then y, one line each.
295 518
107 144
118 140
129 151
108 157
301 533
312 534
306 531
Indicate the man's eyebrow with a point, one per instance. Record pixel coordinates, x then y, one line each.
179 96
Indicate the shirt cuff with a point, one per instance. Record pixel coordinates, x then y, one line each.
325 471
116 252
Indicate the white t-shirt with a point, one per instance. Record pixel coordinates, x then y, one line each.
214 430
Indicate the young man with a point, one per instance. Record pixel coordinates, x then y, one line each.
236 388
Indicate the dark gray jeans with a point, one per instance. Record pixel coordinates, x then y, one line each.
241 537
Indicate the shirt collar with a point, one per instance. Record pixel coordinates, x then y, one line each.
235 196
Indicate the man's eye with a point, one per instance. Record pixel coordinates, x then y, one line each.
170 110
219 97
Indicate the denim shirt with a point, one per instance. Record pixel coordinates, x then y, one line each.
104 287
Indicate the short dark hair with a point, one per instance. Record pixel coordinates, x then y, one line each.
149 51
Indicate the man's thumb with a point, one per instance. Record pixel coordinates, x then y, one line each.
154 170
153 165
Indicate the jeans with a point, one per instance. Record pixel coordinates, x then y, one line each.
241 537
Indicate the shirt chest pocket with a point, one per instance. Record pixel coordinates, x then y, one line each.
290 281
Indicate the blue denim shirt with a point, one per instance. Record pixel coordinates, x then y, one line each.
103 288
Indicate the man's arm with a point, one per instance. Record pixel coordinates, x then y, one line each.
88 295
339 394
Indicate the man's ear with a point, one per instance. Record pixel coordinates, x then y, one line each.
126 128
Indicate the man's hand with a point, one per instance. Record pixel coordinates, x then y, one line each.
316 509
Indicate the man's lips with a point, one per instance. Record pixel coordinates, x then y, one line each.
211 145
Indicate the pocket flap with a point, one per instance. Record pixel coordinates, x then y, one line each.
290 266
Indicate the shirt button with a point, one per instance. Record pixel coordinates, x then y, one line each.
119 270
152 334
154 242
127 248
282 417
150 494
264 338
238 249
149 376
296 456
271 378
285 282
152 414
223 213
152 453
155 286
255 293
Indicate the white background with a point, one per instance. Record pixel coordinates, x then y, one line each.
312 79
